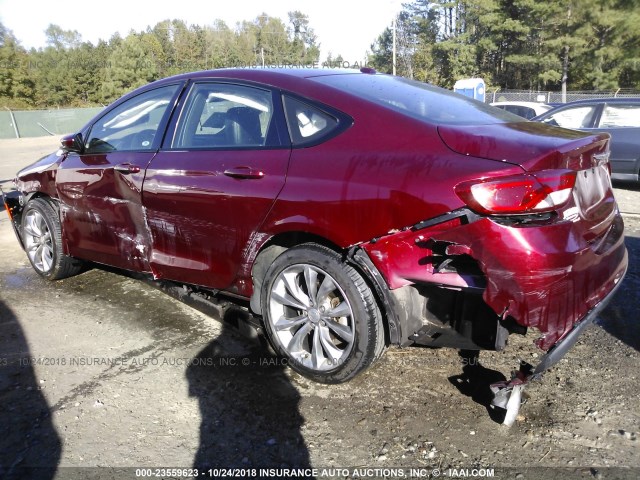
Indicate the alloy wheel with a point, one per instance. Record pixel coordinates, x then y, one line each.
38 242
311 317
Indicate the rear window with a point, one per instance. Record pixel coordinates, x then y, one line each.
419 100
620 116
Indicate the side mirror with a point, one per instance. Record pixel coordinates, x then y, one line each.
72 143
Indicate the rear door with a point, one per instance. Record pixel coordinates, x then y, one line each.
210 187
100 188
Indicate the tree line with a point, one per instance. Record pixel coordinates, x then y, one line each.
517 44
71 73
512 44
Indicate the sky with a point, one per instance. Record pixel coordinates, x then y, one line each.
345 27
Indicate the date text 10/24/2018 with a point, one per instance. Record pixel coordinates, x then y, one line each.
360 472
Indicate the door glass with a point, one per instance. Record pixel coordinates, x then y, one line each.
306 122
520 110
577 117
225 116
133 125
616 116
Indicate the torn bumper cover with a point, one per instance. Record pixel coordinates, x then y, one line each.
507 395
555 275
546 276
13 206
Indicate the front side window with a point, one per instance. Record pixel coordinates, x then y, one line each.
225 116
576 117
133 125
620 116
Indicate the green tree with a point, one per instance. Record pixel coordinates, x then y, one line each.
304 47
66 71
131 64
221 48
62 39
17 89
611 33
586 44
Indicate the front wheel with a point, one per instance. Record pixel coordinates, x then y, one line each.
321 315
42 238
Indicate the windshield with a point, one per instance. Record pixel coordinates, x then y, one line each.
419 100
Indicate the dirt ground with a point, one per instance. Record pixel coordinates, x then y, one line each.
101 374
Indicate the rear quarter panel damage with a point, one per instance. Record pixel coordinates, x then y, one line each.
547 277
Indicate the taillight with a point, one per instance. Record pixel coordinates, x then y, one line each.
518 194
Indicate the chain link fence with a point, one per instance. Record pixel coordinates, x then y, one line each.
39 123
497 95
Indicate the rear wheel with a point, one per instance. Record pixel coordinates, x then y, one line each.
321 315
42 237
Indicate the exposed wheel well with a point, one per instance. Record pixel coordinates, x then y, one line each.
271 250
291 239
278 244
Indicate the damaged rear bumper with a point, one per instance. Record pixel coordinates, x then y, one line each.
547 275
507 395
468 281
555 354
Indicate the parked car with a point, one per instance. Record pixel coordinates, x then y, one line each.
526 110
619 117
348 210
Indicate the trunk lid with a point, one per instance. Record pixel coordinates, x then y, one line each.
539 148
533 146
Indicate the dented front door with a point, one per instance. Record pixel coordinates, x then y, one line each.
100 188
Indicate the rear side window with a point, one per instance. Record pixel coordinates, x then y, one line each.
620 116
307 123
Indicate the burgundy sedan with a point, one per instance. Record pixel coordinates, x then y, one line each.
348 210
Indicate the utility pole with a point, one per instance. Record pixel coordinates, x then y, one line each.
393 29
565 62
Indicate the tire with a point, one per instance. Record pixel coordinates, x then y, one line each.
321 315
42 239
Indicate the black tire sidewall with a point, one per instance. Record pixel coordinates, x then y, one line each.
366 316
53 224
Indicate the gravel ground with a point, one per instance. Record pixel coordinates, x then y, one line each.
103 370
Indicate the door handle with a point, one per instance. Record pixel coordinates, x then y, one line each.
126 168
244 172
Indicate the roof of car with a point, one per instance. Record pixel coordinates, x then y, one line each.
270 73
603 100
521 104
